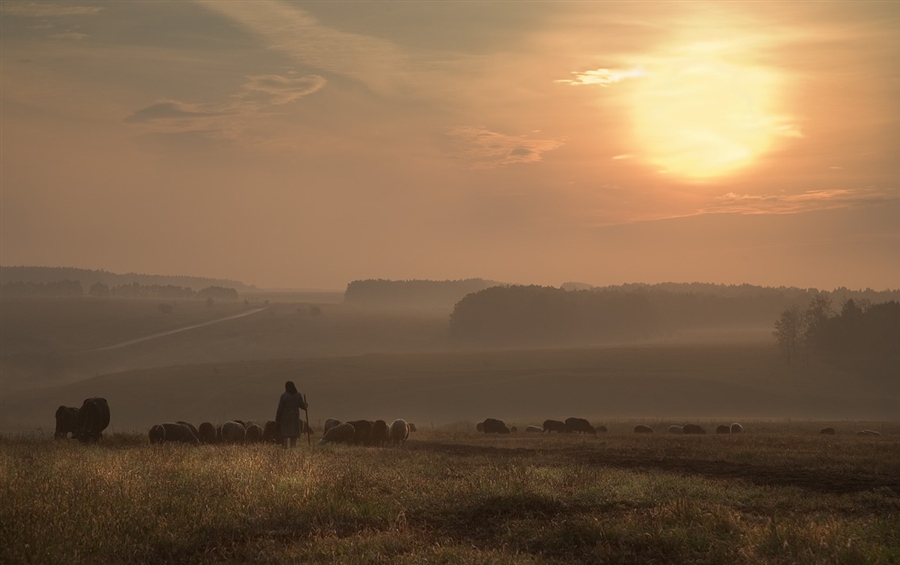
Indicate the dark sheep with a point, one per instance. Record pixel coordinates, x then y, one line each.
232 432
272 432
176 432
723 429
479 427
207 433
412 427
737 428
494 426
93 418
66 422
642 429
601 429
330 423
157 434
399 431
693 429
363 431
555 426
535 429
827 431
341 433
580 425
381 434
253 433
191 426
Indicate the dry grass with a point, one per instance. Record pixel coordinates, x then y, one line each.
448 497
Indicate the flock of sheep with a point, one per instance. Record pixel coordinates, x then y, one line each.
580 425
356 432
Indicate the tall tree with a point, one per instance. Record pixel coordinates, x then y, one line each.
789 331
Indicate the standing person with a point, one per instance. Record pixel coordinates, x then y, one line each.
288 415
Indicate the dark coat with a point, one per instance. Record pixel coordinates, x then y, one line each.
93 418
288 414
66 421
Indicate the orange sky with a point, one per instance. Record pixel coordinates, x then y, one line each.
305 145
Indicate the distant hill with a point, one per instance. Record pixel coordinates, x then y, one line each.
87 277
413 293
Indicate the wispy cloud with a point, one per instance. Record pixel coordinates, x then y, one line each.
488 149
810 201
283 89
296 33
47 10
601 77
174 110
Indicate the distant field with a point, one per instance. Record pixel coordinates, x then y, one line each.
778 494
359 363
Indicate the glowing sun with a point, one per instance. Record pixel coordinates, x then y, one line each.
697 116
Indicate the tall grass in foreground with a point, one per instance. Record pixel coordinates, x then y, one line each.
128 502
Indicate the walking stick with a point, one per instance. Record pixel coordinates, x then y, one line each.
308 429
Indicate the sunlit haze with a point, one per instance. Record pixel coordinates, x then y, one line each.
309 144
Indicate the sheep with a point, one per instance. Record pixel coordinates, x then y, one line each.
535 429
191 426
642 429
341 433
723 429
254 433
693 429
601 429
232 432
399 431
513 429
66 422
173 431
157 434
676 430
207 433
363 431
737 428
330 423
494 426
555 426
381 434
827 431
412 427
580 425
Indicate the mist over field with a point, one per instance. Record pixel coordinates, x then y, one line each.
433 352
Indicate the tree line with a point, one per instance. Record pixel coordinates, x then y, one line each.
69 288
412 293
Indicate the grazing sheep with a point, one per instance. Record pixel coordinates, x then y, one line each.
642 429
412 427
93 418
536 429
868 433
232 432
207 433
827 431
601 429
555 426
191 426
330 423
693 429
494 426
177 432
341 433
66 422
479 427
363 431
272 432
676 430
381 434
399 431
254 434
580 425
737 428
157 434
723 429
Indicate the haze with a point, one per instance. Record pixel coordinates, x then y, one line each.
305 145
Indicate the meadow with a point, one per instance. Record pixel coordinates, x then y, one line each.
779 493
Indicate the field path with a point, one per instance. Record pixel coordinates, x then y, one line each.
177 330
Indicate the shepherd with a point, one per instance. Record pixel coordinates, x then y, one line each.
288 414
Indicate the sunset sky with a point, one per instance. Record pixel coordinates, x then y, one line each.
305 145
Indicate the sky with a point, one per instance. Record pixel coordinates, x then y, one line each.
309 144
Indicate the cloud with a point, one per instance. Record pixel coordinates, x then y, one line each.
282 89
602 77
45 10
810 201
73 35
294 32
488 149
172 110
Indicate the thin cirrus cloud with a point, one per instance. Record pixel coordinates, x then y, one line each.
46 10
283 90
601 77
489 149
809 201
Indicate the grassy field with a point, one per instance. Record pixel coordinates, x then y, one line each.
777 494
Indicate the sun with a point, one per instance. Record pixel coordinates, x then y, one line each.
698 116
